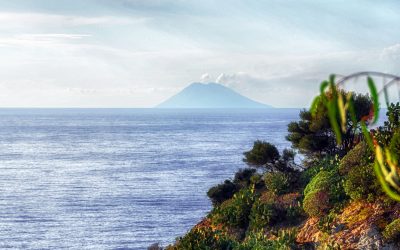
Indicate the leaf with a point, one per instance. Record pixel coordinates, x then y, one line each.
323 86
386 188
375 98
332 111
386 96
314 104
367 135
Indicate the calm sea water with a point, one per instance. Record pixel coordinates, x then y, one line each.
118 178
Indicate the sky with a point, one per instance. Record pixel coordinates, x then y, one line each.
132 53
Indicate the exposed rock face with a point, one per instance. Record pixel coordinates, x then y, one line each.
309 232
357 227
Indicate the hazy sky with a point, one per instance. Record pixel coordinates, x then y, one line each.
137 53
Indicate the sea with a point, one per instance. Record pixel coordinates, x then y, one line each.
119 178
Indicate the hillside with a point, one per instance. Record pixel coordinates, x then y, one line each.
333 200
210 95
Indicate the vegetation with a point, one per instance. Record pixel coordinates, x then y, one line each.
345 184
392 231
313 134
277 182
361 183
261 154
235 212
222 192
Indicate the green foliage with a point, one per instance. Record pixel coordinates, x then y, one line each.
374 95
316 203
392 231
325 223
243 176
393 115
262 215
360 155
222 192
326 163
361 183
261 153
257 181
285 240
394 145
235 212
277 182
314 135
308 174
323 191
205 239
288 155
384 134
321 181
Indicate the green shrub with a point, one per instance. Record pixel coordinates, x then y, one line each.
261 153
235 212
289 204
277 182
326 186
325 223
294 214
262 215
203 238
285 240
308 174
358 156
392 231
255 241
222 192
361 183
316 203
394 145
243 176
257 181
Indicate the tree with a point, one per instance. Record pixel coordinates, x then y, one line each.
261 154
314 136
222 192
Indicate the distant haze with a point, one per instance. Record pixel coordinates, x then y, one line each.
209 95
137 53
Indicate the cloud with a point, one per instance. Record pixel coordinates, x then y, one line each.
205 77
45 40
24 19
391 52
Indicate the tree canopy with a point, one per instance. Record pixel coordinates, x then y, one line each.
314 136
261 154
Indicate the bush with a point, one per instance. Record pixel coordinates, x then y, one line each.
316 203
262 215
261 153
361 183
323 191
308 174
394 145
277 182
392 231
290 205
358 156
204 237
328 181
243 176
222 192
235 212
258 181
320 181
155 246
284 240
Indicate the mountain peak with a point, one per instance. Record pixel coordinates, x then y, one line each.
209 95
